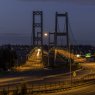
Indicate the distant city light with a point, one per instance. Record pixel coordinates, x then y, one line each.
88 55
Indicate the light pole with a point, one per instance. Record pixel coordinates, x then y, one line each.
46 36
70 62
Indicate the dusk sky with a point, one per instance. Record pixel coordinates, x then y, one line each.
16 19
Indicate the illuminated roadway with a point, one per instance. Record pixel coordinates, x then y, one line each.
33 61
70 55
79 90
39 77
88 65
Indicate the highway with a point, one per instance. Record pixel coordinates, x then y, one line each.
88 65
79 90
41 76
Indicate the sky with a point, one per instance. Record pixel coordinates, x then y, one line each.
16 19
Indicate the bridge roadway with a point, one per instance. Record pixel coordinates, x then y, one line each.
82 61
33 61
70 55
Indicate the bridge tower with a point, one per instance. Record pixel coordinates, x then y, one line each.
57 33
37 30
51 39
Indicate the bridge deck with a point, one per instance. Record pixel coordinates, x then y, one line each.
34 61
70 55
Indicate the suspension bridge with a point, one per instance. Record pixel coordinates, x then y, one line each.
40 58
35 59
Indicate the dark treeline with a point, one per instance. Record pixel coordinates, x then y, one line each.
8 58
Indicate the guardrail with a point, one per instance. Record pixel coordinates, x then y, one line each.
39 88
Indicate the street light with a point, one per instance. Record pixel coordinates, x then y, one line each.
78 55
38 52
45 34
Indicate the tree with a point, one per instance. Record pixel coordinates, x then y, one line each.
8 58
